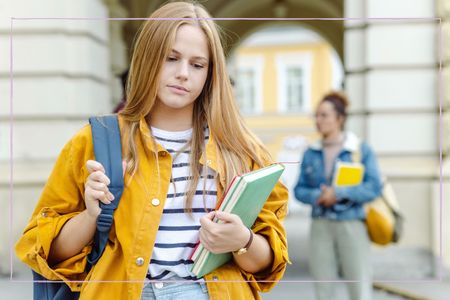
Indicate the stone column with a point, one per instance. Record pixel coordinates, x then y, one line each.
391 79
118 48
61 77
443 11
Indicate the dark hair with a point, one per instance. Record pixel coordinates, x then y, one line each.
124 78
232 81
339 101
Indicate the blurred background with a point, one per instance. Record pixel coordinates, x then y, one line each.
67 70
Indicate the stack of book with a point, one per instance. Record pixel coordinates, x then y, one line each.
244 197
348 174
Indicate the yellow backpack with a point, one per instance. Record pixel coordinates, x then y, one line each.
384 221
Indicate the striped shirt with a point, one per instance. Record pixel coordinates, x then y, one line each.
178 231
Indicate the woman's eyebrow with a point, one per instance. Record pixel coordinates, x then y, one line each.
195 57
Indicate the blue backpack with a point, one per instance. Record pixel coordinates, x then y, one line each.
108 151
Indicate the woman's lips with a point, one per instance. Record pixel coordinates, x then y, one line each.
178 89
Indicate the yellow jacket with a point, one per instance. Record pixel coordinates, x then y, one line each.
135 226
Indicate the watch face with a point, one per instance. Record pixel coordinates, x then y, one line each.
242 251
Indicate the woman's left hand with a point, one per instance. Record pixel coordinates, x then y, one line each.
328 196
227 236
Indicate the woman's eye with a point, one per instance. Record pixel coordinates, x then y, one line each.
198 66
171 58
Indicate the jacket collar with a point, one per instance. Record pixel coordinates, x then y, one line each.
351 143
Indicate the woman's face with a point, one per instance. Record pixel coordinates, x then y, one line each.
327 119
184 72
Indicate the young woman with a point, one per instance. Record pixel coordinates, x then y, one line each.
183 141
338 237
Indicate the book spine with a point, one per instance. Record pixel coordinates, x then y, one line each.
219 203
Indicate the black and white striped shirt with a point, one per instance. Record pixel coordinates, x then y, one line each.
178 231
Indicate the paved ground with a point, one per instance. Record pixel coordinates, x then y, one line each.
412 266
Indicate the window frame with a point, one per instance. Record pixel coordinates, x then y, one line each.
285 61
256 64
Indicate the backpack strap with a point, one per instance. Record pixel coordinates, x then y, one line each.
108 152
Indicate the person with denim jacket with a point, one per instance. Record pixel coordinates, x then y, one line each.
339 243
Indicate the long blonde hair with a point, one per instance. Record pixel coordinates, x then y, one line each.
215 106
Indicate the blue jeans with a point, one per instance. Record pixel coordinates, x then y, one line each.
178 289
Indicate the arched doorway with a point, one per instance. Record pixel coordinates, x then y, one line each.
281 70
277 125
333 32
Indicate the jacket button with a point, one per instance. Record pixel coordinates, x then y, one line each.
155 202
159 285
44 214
215 278
139 261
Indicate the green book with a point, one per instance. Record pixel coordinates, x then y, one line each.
245 197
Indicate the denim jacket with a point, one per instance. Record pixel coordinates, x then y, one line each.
350 200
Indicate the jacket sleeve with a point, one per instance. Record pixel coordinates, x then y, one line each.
269 224
62 199
371 186
303 192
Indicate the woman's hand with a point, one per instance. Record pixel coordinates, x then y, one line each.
328 196
78 231
96 188
227 236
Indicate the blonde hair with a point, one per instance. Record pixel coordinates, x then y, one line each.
215 107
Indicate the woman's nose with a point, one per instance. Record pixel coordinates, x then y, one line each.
183 70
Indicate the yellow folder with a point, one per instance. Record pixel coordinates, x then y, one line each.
348 174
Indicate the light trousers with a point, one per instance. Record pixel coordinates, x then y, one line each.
340 247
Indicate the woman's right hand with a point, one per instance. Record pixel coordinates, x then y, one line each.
96 188
328 196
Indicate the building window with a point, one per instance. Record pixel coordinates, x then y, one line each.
294 86
247 73
294 82
246 90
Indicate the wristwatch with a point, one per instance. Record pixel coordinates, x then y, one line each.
245 248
